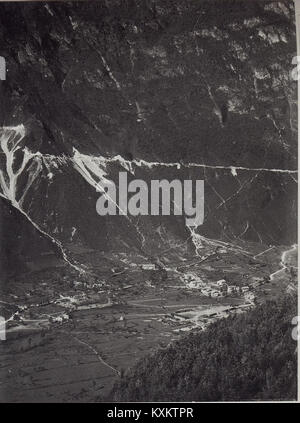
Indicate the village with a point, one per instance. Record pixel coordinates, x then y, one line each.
221 288
214 278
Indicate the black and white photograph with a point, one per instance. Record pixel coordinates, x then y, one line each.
149 201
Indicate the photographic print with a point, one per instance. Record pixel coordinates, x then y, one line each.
148 201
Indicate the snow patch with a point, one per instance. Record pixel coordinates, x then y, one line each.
233 171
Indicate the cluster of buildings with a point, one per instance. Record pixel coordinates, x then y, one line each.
221 288
59 319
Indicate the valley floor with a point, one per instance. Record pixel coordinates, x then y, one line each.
71 337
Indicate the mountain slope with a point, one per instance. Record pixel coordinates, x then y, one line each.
246 357
158 89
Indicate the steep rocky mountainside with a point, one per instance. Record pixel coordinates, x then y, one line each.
161 89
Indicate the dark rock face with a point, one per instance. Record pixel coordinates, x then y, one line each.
189 83
22 242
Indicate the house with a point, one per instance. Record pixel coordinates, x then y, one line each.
56 319
249 296
148 266
231 289
221 283
117 270
196 283
188 277
245 289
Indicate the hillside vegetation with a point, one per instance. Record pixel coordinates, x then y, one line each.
245 357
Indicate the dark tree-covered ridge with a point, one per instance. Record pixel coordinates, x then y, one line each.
251 356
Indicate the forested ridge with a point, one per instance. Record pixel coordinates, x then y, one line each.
244 357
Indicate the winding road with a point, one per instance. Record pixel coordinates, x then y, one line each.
284 261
